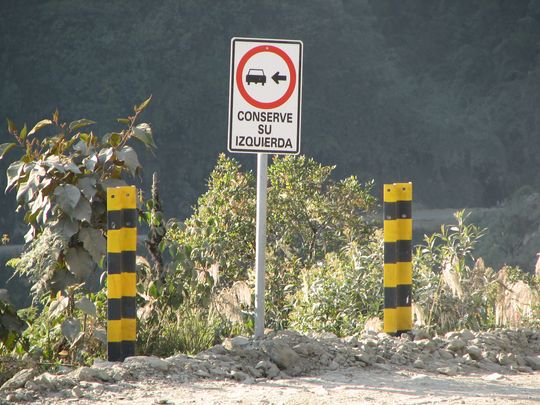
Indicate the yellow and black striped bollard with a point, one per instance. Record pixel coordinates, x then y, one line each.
404 257
390 258
121 272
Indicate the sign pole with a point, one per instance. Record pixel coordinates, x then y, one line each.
260 243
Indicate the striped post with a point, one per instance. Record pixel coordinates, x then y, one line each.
390 258
121 275
404 257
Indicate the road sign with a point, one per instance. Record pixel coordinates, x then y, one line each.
265 96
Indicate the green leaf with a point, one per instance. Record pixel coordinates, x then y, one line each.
39 125
94 242
11 127
83 211
71 328
80 123
105 155
66 227
112 138
87 185
67 197
13 173
143 132
128 155
57 307
90 162
123 121
5 148
79 262
23 133
87 306
143 105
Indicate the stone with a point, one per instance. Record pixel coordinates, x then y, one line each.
364 358
456 345
284 357
445 354
494 377
533 362
77 392
420 334
475 352
351 340
467 335
148 361
449 371
418 363
268 368
240 341
45 381
90 374
202 373
240 376
19 379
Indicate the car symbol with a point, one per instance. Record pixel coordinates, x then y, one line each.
256 76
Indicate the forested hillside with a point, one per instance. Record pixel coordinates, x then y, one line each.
443 93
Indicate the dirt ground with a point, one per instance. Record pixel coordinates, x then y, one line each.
374 385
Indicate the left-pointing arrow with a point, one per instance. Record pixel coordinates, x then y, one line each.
277 77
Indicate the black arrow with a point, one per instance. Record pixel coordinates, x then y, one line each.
277 77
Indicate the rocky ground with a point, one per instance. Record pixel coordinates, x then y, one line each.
499 366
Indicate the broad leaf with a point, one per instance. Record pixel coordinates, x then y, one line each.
123 121
23 133
87 306
105 184
57 307
61 279
87 185
128 155
105 155
80 123
112 138
71 328
13 173
66 227
79 262
94 242
5 148
90 162
143 132
83 210
101 335
67 197
39 125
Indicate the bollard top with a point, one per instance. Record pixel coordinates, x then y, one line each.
119 198
390 193
404 191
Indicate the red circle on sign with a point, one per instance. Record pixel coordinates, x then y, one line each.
240 83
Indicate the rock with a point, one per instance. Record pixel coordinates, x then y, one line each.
445 354
45 381
268 368
90 374
467 335
309 349
364 358
351 340
418 363
328 335
31 385
240 341
242 377
475 352
456 345
494 377
420 334
202 373
449 371
148 361
19 379
524 369
77 392
533 362
284 357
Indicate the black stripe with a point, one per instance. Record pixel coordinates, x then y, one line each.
114 311
128 348
123 262
404 209
404 250
399 332
390 252
126 218
403 293
390 297
390 210
114 351
129 308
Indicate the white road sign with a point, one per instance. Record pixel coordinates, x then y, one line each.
265 96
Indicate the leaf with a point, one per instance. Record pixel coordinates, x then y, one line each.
79 262
105 184
67 197
57 307
11 127
83 210
90 162
143 105
71 328
101 335
39 125
13 173
94 242
123 121
112 138
87 185
5 148
23 133
87 306
143 132
128 155
105 155
80 123
66 227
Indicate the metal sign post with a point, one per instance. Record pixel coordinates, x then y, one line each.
260 243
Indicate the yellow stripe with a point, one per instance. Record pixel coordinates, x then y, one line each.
120 240
121 197
114 331
129 329
390 230
390 275
115 284
390 194
390 323
129 281
403 229
403 273
404 191
404 318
